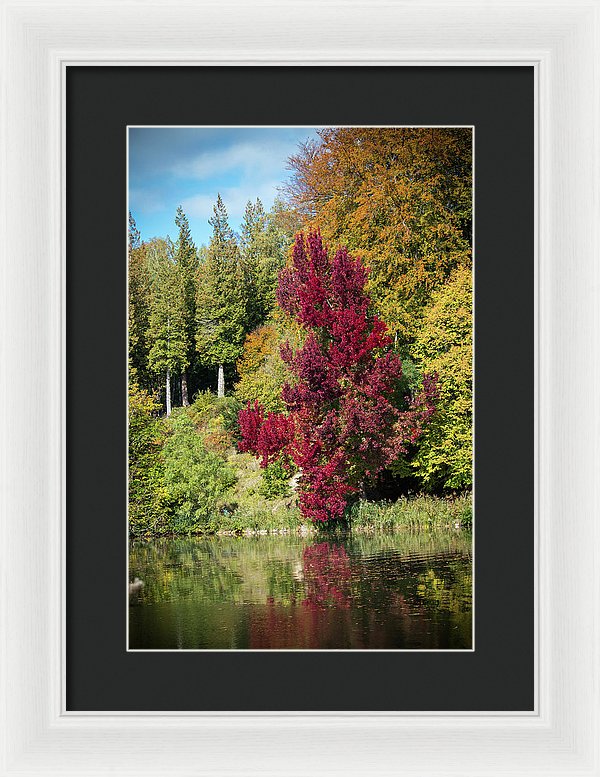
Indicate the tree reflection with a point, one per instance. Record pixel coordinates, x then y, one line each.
400 590
327 575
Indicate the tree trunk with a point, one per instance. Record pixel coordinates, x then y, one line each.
221 382
184 390
168 393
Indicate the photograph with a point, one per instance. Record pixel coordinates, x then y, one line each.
300 388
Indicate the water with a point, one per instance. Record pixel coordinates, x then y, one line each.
395 591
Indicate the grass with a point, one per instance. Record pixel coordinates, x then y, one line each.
421 512
414 512
256 513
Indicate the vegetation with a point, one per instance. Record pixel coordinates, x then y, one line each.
399 199
343 423
444 345
147 494
317 366
197 479
261 369
412 512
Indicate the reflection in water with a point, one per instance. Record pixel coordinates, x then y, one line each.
327 576
395 591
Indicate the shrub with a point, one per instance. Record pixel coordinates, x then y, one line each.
216 419
197 479
275 481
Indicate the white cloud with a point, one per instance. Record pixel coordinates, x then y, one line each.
245 157
235 199
145 201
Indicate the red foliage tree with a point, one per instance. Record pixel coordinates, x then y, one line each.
343 424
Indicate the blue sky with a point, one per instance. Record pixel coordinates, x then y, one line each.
188 166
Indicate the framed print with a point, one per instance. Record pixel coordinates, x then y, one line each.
189 640
313 600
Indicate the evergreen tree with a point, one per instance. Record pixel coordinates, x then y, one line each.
138 307
219 221
221 308
186 262
263 250
157 250
134 234
167 332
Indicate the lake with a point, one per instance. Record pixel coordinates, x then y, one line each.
401 590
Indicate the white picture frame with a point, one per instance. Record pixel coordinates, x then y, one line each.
560 41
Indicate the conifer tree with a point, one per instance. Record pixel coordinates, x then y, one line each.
221 308
263 251
138 307
186 262
167 332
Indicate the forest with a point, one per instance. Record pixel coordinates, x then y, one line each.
313 369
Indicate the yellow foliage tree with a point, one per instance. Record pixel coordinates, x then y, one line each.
444 344
398 197
261 370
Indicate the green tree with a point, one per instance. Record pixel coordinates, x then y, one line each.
167 326
186 261
157 250
444 345
221 301
147 494
138 307
263 246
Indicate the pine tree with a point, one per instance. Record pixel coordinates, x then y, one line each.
134 234
138 307
186 262
221 301
167 332
263 247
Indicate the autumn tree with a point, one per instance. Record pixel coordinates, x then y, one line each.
221 301
167 326
187 264
343 423
286 220
261 369
399 197
444 344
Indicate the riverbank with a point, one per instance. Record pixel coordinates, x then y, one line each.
281 518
